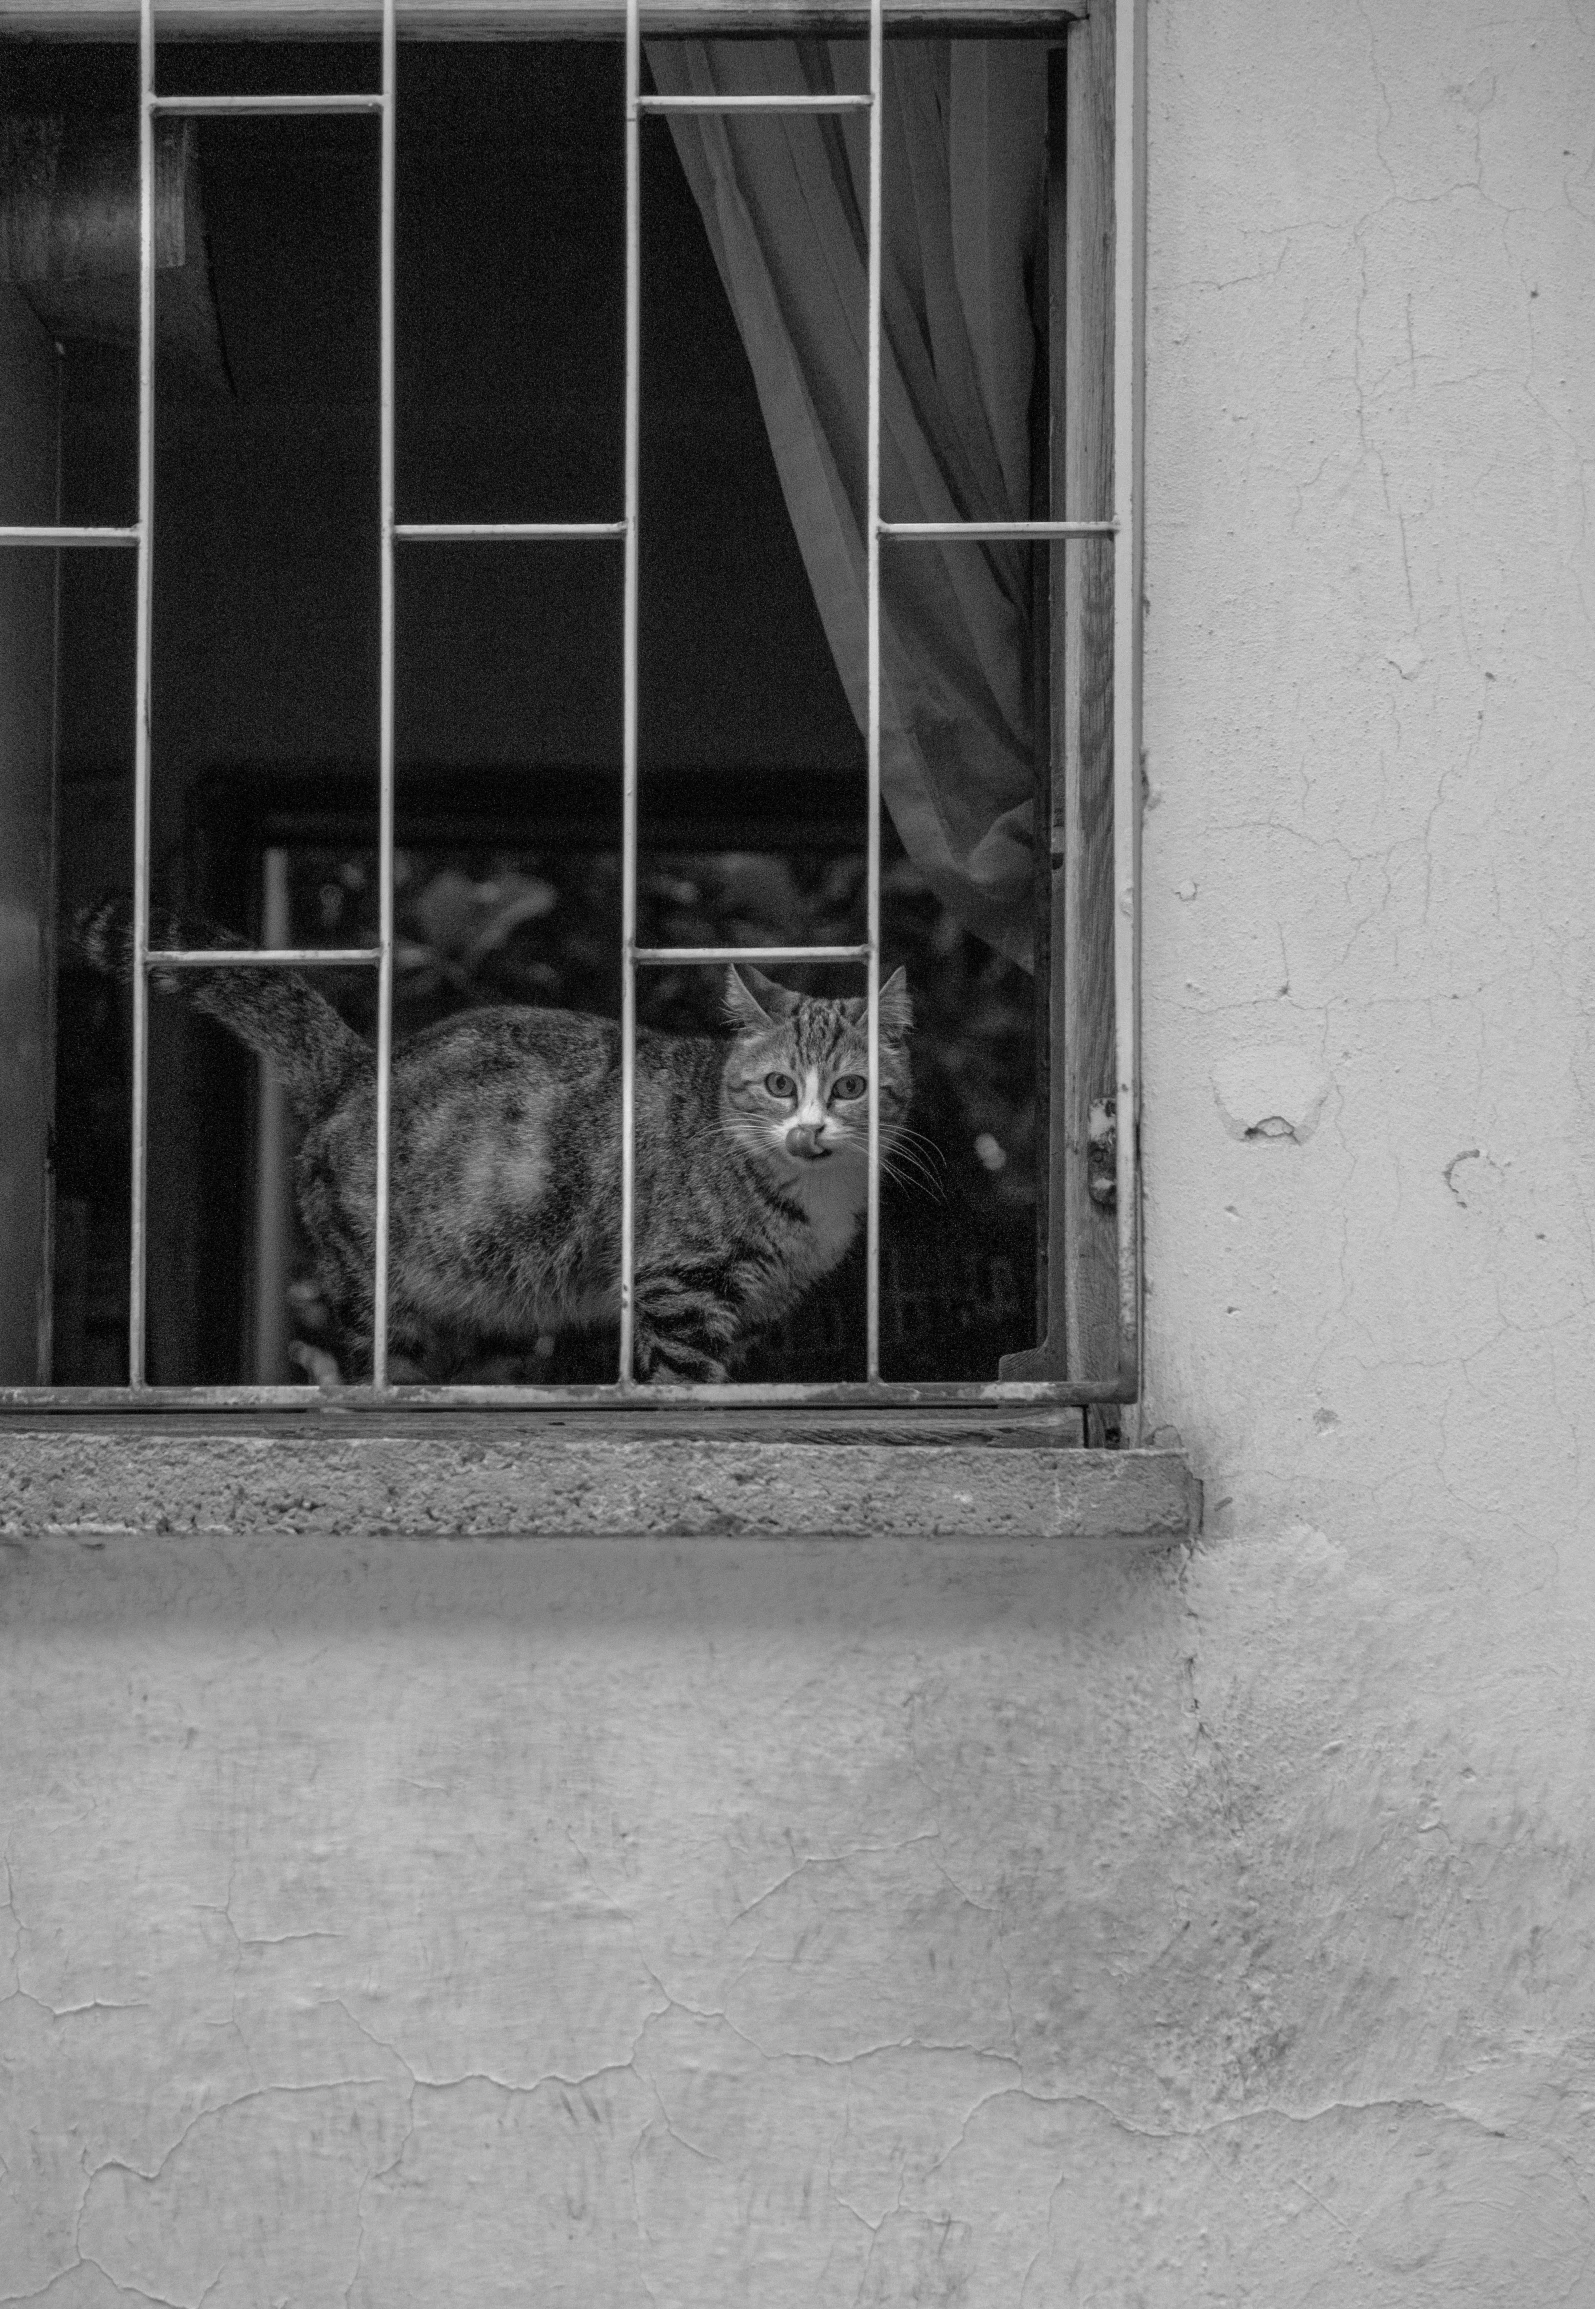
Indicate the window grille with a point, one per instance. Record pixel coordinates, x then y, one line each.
1035 1376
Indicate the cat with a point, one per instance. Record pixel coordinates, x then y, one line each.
751 1158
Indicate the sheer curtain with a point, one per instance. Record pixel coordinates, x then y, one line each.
785 203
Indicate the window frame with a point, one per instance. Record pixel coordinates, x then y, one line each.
1088 898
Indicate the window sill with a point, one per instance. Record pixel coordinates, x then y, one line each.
435 1475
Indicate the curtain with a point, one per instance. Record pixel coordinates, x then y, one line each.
785 203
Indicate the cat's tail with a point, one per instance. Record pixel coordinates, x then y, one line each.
276 1012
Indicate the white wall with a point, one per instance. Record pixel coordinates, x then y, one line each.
1370 726
430 1925
717 1925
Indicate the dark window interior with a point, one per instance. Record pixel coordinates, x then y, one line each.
509 365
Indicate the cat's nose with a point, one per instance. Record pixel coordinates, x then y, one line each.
804 1139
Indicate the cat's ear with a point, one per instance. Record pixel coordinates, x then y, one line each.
752 1000
897 1009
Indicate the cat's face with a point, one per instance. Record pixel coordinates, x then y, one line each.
796 1084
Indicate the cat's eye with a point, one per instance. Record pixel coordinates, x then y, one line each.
780 1085
849 1086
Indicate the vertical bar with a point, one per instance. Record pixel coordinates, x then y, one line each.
138 1192
1047 590
1080 1331
872 533
44 1366
273 1186
1129 240
379 1279
628 773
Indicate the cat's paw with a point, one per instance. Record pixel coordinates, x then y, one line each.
673 1363
320 1368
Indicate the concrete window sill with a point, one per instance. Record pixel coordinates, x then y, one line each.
434 1475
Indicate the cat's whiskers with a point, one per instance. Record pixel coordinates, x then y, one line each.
915 1183
901 1161
921 1181
910 1173
743 1132
902 1134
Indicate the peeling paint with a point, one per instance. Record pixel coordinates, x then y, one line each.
1474 1178
1270 1091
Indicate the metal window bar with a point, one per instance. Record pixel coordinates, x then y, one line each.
1124 528
54 537
1021 532
262 957
259 107
385 767
138 1188
872 727
503 532
750 954
754 103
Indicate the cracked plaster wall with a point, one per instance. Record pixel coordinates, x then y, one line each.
1370 707
704 1923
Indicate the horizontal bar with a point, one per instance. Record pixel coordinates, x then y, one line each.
750 954
881 1394
943 531
262 958
519 19
502 532
257 107
823 1395
753 103
58 534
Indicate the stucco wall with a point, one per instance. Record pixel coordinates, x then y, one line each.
710 1923
1370 718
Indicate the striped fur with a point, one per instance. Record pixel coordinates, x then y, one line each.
506 1161
280 1015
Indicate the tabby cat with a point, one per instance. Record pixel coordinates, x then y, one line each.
505 1169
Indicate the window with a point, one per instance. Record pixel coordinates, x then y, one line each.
338 878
